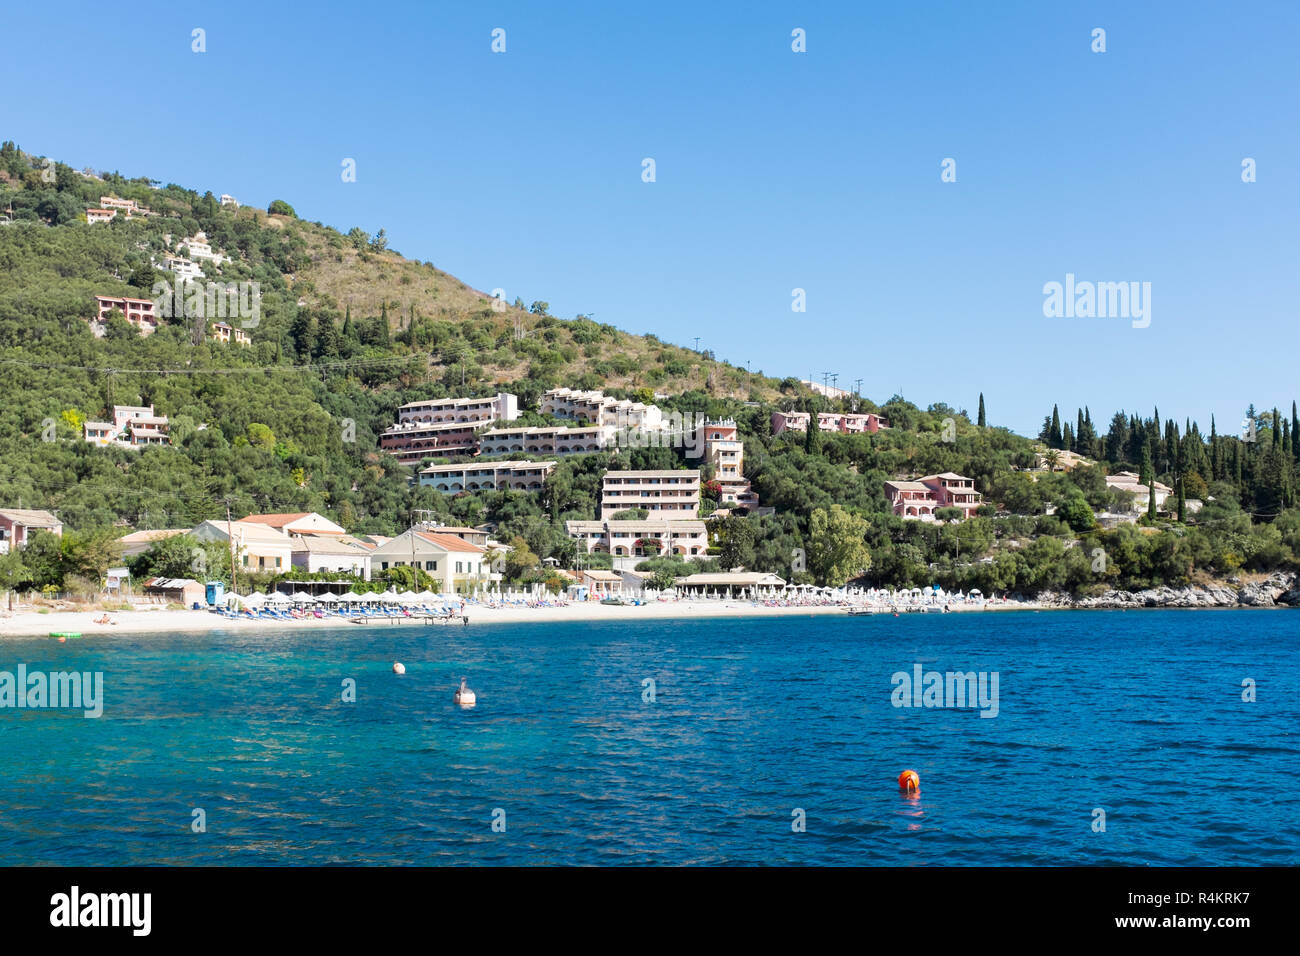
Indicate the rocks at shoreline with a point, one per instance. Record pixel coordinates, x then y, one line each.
1278 589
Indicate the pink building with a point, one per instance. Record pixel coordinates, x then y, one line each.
139 312
921 498
17 525
844 422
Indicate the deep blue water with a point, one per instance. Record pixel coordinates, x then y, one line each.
1138 713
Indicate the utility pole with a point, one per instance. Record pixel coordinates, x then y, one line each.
230 534
857 387
697 343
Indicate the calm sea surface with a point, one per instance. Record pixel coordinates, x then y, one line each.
1138 713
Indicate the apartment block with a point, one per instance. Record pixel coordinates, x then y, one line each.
672 495
487 476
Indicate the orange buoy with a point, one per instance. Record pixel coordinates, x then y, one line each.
909 781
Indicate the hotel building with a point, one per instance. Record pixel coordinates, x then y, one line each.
487 476
843 422
672 495
444 426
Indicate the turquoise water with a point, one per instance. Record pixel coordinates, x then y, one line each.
1138 713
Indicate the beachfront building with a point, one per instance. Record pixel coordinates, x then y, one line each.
724 584
631 542
597 408
18 524
133 426
224 332
330 552
670 495
259 548
184 591
139 312
921 498
138 542
601 584
845 423
479 475
554 440
719 444
444 426
452 562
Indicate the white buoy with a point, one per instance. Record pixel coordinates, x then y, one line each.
399 668
464 696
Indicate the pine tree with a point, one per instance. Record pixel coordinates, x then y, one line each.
982 422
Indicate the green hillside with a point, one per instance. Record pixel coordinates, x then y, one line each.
347 330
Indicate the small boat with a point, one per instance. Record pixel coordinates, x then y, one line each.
861 611
66 635
616 601
464 696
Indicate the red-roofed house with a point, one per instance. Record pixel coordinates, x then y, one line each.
452 562
296 523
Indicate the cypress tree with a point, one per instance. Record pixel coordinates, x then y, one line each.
1277 430
812 439
1055 439
1295 433
1151 500
1215 471
982 422
1182 501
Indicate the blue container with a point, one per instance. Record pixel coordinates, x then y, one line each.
216 591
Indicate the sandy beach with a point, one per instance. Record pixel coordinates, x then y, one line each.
33 623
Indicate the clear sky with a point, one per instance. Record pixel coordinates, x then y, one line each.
775 170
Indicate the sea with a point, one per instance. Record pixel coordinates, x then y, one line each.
1134 738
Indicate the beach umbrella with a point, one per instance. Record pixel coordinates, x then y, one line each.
277 597
408 597
350 598
426 595
389 597
253 600
370 597
302 597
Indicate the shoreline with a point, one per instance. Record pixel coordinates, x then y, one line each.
32 623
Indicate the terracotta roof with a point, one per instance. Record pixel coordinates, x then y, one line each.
278 520
449 542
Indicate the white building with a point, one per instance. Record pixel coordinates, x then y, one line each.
553 440
631 542
480 475
453 563
597 408
673 495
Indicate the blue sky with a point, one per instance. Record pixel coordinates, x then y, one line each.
775 171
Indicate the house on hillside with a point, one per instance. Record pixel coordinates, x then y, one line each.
17 525
921 498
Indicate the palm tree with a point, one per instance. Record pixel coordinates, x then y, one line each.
1051 458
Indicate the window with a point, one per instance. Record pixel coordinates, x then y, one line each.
385 565
459 568
431 565
277 562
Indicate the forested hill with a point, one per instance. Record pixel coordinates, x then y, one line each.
348 329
